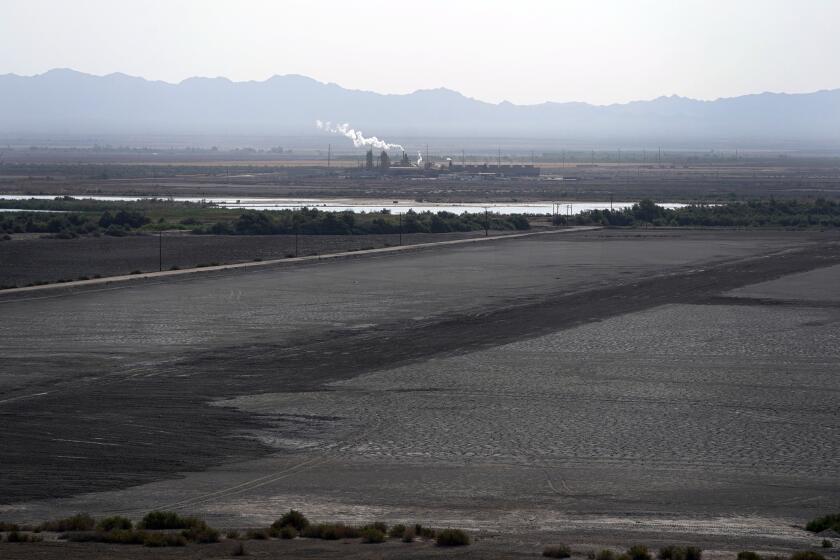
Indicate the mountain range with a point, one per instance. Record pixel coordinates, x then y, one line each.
68 102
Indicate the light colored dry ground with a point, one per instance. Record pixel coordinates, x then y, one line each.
822 284
710 420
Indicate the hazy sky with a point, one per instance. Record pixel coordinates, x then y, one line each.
524 51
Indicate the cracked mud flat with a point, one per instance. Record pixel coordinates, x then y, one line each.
596 389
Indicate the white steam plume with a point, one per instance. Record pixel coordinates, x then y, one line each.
359 140
419 159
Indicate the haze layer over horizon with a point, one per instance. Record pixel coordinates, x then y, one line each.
525 52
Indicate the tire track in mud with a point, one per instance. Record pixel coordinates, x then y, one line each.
158 418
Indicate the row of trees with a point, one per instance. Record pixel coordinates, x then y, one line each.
69 225
315 222
770 213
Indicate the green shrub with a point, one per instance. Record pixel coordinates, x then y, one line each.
605 554
807 555
163 539
18 537
671 553
257 534
397 531
114 522
378 525
78 522
748 555
638 552
121 537
819 524
425 532
294 519
288 532
117 536
372 535
557 551
330 531
452 537
693 553
201 534
168 520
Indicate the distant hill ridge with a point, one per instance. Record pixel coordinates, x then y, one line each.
69 102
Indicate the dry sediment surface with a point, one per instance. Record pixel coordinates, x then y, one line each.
594 388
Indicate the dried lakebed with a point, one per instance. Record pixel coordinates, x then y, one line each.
587 386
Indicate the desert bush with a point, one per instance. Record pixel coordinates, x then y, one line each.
78 522
408 536
557 551
372 535
163 539
452 537
807 555
5 527
819 524
693 553
671 553
232 534
122 537
827 543
638 552
378 525
425 532
18 537
257 534
168 520
605 554
202 534
288 532
330 531
238 550
114 522
294 519
117 536
748 555
397 531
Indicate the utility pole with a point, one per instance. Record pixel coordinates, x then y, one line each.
329 155
400 228
463 159
499 160
160 251
294 217
486 222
